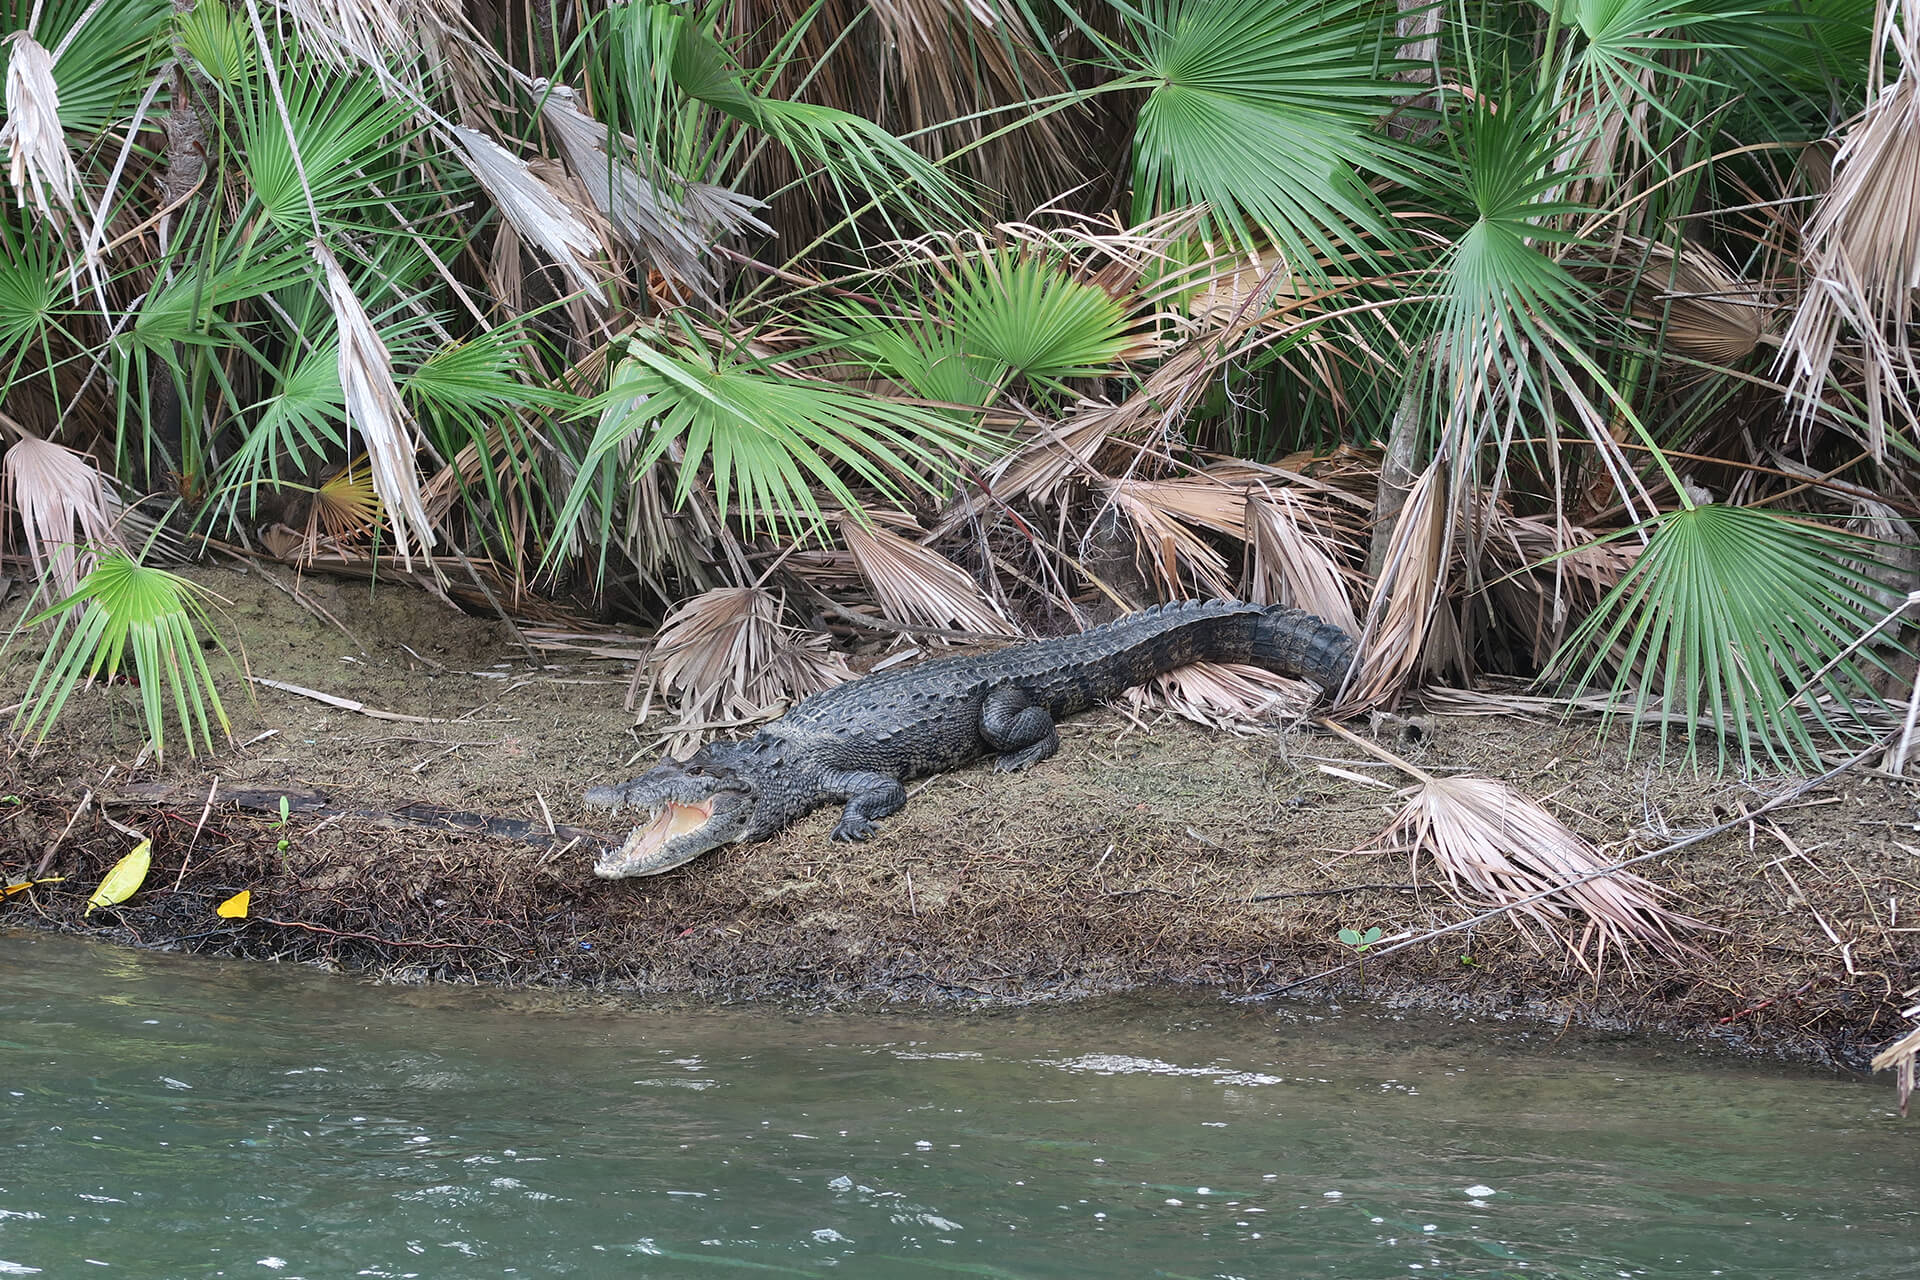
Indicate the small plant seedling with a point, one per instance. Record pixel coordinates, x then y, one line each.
1360 943
286 809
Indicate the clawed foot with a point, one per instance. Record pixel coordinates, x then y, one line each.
853 829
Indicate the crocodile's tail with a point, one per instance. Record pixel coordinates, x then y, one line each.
1294 642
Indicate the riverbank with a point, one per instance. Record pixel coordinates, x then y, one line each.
1157 854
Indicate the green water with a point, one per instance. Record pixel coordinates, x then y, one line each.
173 1117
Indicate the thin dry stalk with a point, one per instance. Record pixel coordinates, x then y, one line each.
918 585
64 506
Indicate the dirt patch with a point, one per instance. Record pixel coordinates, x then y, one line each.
1169 856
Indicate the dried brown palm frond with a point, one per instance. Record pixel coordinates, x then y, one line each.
1901 1056
38 162
1696 304
553 218
1047 468
65 506
1412 579
355 35
1229 696
1294 560
676 236
915 584
1495 846
376 411
1166 544
724 658
1544 600
1117 257
1861 249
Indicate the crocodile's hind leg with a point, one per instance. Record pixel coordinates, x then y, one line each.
1020 731
869 796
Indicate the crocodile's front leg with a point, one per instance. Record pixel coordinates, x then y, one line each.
869 796
1022 732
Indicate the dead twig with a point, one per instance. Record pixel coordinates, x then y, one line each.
344 704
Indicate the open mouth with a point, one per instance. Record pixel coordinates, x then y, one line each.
670 823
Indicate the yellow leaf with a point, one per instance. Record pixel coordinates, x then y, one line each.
22 886
235 908
124 880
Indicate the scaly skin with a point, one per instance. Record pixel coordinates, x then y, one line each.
858 742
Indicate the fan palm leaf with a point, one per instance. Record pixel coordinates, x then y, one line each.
980 319
773 442
1264 111
1733 616
122 611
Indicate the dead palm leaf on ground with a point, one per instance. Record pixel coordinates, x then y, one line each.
64 506
1495 846
915 584
1229 696
724 658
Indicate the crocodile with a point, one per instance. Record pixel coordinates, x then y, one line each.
858 742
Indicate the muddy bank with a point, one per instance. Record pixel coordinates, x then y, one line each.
1159 854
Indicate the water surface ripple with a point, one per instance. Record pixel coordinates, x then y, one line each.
168 1117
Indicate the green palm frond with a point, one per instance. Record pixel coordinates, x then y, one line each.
124 609
961 331
300 423
472 395
668 57
773 443
31 277
352 141
1264 110
219 42
1736 618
